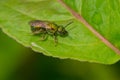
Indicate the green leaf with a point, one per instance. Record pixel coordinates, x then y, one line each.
81 44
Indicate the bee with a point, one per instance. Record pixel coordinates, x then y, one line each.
48 28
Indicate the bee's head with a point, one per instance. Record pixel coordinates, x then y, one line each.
62 32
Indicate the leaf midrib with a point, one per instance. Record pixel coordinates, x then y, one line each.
82 20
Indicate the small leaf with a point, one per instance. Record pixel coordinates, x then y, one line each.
81 44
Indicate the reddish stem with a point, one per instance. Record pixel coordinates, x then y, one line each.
81 19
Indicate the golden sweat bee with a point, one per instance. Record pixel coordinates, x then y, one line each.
48 28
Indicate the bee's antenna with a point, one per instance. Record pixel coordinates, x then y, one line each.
68 24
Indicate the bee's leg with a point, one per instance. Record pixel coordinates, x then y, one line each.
44 36
55 39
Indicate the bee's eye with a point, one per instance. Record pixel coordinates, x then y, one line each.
60 29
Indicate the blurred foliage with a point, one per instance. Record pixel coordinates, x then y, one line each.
20 63
12 55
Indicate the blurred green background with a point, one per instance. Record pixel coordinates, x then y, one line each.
20 63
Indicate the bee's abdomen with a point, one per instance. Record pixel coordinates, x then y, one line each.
37 23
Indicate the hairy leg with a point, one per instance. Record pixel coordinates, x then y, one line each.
55 39
44 36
